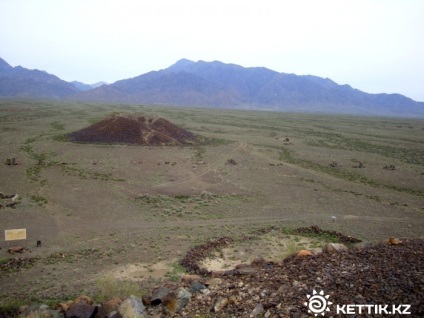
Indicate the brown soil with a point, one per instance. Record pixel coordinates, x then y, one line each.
132 129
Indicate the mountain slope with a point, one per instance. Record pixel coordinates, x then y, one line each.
216 84
22 82
85 87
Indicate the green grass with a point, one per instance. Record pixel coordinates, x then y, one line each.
108 287
288 156
39 200
57 126
10 305
175 273
336 141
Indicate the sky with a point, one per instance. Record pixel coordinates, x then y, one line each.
376 46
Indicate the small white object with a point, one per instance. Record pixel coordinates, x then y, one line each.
333 218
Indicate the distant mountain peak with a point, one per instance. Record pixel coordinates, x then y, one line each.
180 65
4 66
214 84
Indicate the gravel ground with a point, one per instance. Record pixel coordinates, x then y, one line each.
383 274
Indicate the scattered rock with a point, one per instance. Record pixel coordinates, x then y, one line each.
335 247
198 253
231 161
334 164
360 165
257 311
304 253
83 299
246 270
196 287
176 300
259 260
81 310
132 307
109 307
188 279
65 306
158 294
213 282
394 241
16 249
220 304
389 167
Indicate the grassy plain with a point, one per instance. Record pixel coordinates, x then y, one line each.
121 211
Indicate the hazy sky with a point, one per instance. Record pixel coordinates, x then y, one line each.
373 45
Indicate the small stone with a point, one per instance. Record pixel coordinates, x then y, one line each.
232 299
188 279
147 300
246 270
257 311
83 299
335 247
394 241
16 249
213 282
220 304
65 306
108 307
196 287
259 260
303 253
114 314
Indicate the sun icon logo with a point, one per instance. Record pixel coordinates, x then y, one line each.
318 303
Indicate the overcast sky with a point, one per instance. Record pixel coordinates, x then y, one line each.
373 45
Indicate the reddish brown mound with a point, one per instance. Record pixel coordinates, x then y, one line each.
130 129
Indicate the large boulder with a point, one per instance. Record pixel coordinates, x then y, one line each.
176 300
132 307
81 310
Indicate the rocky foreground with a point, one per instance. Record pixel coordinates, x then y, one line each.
389 273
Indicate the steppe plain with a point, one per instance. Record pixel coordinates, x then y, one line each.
132 212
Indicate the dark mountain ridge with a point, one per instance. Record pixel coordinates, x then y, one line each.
214 84
21 82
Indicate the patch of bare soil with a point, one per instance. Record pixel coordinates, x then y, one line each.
132 129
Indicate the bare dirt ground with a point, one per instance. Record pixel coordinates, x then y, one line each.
133 211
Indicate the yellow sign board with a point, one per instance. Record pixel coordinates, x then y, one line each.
16 234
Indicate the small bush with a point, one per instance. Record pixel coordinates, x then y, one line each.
109 287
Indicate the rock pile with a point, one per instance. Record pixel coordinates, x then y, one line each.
132 129
200 252
389 273
380 274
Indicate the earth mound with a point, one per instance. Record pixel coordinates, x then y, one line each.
133 129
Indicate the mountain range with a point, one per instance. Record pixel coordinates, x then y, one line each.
214 84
